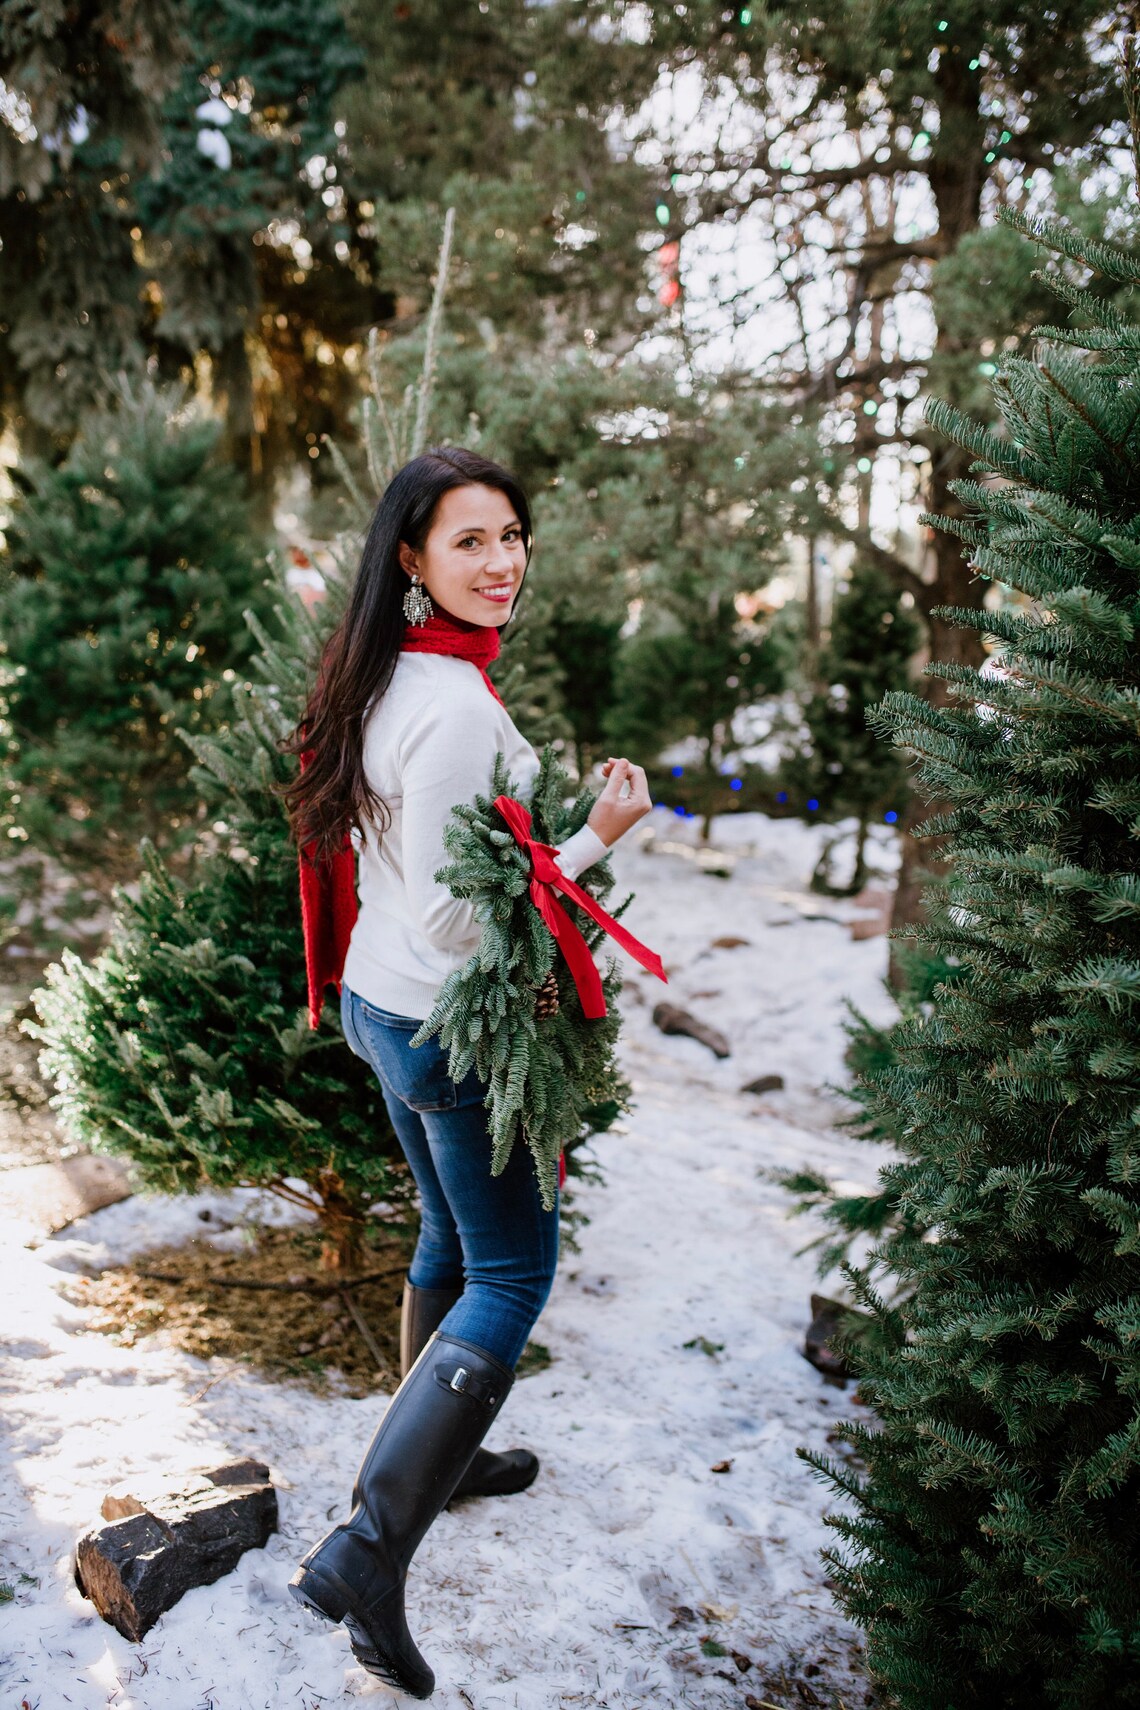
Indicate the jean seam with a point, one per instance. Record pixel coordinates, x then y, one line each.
398 1024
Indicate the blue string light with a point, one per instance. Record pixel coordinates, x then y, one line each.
782 796
890 816
812 805
678 771
736 784
680 812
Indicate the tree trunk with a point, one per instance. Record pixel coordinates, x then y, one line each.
811 631
342 1225
953 584
955 175
859 876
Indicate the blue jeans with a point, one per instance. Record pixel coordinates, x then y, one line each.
487 1235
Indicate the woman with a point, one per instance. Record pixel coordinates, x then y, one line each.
403 725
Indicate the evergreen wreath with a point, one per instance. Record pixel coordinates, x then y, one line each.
551 1074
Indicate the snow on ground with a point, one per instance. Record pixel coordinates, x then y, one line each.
566 1595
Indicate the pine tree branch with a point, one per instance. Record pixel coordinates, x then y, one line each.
427 378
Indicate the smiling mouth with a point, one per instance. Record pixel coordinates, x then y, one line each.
499 595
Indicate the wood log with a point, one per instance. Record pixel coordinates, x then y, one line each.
156 1496
763 1084
159 1541
670 1019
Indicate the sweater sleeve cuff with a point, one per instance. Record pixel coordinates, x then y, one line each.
581 851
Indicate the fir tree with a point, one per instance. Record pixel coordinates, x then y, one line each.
185 1046
126 573
687 674
722 489
993 1546
844 766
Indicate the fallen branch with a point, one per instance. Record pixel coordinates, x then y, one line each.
366 1335
279 1287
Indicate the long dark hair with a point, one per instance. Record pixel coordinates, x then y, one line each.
332 795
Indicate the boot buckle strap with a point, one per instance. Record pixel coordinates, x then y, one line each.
464 1382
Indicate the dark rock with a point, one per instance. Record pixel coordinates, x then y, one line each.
764 1083
670 1019
828 1318
158 1542
729 942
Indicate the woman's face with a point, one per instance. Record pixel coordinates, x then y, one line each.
474 556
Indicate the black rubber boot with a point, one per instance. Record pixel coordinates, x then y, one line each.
489 1474
434 1423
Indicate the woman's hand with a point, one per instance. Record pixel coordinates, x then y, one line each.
612 814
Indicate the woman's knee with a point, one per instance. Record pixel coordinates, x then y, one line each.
438 1258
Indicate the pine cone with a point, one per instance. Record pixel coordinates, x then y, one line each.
546 1004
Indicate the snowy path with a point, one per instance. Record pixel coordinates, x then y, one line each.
569 1594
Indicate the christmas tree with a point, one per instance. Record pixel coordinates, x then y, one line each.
992 1543
185 1046
723 490
845 767
126 573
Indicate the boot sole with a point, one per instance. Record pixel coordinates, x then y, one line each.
327 1596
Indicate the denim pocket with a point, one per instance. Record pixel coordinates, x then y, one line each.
347 1026
419 1076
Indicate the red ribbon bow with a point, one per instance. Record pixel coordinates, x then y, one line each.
546 878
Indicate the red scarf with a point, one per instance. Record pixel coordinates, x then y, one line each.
328 888
460 640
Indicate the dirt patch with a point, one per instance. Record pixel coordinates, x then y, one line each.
303 1327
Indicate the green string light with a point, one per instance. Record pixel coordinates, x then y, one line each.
870 408
974 64
943 23
864 466
662 211
991 155
987 368
746 16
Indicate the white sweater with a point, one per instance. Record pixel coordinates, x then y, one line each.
429 743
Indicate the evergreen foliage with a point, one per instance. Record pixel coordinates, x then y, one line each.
679 679
722 490
161 145
993 1542
185 1046
844 765
126 572
550 1081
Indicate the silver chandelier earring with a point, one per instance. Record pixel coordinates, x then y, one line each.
417 604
